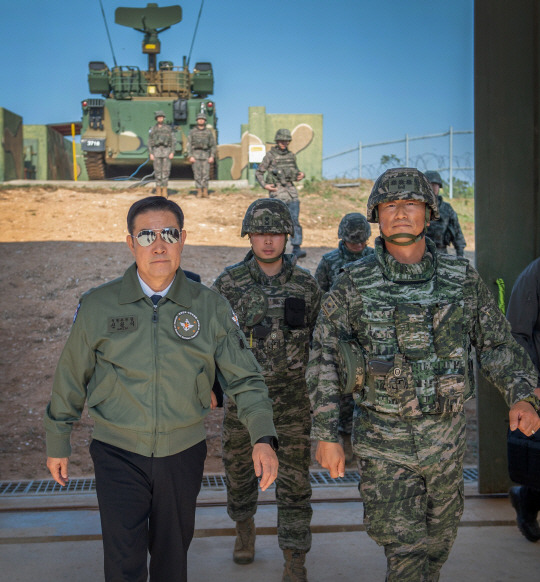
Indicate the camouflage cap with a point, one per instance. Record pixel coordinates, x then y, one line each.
159 114
354 228
283 135
401 184
267 215
201 115
434 177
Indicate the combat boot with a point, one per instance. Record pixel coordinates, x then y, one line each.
294 570
199 193
526 513
244 546
298 252
205 192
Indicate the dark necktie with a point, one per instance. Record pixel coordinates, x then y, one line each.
155 299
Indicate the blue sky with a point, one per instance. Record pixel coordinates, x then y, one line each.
376 69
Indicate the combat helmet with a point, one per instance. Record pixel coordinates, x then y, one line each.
354 228
201 115
283 135
434 177
159 113
402 184
267 215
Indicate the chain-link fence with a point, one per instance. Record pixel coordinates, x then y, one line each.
450 153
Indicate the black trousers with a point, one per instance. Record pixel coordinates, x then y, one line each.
147 504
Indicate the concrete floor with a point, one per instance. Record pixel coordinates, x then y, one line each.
38 544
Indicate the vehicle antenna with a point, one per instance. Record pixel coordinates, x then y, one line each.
195 32
107 29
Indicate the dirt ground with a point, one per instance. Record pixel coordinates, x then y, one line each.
56 243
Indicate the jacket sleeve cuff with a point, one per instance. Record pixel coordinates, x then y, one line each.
58 446
259 426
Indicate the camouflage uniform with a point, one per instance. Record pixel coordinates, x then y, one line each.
281 170
161 142
399 336
201 145
327 272
278 315
447 230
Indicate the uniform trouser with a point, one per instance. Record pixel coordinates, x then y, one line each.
346 410
412 488
293 488
162 170
147 504
201 171
294 209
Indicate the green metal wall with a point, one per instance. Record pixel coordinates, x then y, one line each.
507 210
11 152
47 154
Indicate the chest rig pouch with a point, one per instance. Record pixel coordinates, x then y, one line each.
417 353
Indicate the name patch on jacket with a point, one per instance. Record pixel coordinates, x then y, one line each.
186 325
122 323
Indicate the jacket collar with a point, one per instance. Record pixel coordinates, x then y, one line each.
131 291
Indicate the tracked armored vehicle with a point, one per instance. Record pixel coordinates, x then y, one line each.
115 126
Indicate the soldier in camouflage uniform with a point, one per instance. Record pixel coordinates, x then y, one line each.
279 165
397 330
277 304
447 229
201 151
161 143
353 234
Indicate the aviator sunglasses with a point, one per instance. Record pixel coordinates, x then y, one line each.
147 236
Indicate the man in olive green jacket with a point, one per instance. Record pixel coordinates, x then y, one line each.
143 353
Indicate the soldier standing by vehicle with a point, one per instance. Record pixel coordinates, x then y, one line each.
277 304
397 329
353 234
447 229
161 143
281 170
201 151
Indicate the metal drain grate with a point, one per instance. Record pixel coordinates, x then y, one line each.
50 487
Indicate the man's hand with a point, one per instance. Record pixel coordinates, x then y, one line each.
191 160
331 457
524 416
270 187
300 176
213 401
211 160
171 155
58 469
265 464
151 157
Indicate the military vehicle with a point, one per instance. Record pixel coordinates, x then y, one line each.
114 133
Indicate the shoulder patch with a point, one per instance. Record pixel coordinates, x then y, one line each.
329 306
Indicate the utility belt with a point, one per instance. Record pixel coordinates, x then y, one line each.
389 386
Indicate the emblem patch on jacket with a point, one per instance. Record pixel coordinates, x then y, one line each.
186 325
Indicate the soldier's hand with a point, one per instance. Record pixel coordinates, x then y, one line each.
59 469
265 463
300 176
171 155
211 160
331 457
151 157
524 416
270 188
192 160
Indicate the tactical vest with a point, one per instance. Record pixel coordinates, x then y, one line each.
161 136
276 326
413 341
201 139
283 171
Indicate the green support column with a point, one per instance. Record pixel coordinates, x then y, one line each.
507 146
